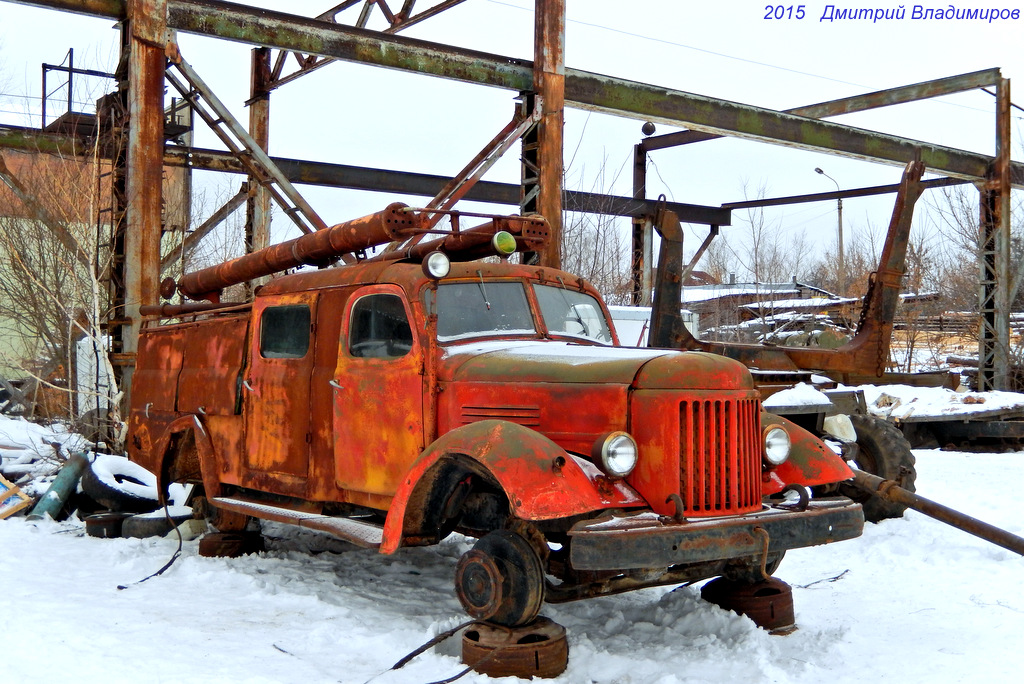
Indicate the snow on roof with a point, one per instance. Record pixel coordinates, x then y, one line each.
807 303
634 313
704 293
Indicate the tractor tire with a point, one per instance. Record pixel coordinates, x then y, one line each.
885 452
501 579
120 485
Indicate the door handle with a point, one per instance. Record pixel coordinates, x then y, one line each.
335 385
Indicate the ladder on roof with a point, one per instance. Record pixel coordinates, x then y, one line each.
259 165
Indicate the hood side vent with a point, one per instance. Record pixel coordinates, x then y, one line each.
528 416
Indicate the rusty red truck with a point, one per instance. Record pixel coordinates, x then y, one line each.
398 398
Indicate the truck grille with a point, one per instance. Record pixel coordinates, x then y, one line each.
720 456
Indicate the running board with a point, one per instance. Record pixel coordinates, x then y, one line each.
356 532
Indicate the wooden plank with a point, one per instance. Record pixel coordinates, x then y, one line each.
12 499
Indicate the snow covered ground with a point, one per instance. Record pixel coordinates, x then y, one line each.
911 601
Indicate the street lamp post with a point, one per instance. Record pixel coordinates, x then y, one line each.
839 231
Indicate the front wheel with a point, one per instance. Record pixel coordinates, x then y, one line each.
882 450
501 579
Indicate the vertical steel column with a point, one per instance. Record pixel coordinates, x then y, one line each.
257 208
549 84
147 26
988 285
994 257
1002 172
642 234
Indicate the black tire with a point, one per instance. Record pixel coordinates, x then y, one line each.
501 580
154 524
120 485
882 450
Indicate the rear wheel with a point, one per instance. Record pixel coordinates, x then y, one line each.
501 579
882 450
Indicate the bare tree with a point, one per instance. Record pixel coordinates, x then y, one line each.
51 258
595 246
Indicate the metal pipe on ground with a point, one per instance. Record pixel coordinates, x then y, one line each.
61 489
891 491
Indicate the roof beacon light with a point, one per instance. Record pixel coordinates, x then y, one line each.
504 243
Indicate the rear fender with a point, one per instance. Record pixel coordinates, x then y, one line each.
184 450
810 461
540 479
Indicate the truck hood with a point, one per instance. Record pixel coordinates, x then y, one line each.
533 361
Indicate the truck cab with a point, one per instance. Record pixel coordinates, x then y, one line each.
393 402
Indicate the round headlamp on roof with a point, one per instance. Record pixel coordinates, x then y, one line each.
437 265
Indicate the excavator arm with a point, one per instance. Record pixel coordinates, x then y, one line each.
865 354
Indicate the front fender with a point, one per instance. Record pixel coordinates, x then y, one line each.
540 479
810 461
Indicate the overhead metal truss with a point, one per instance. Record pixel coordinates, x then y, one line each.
313 42
583 90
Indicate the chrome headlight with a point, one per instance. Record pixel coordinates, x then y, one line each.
615 454
776 445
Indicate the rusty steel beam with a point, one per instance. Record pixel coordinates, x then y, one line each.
549 89
310 63
371 179
146 40
428 185
258 204
585 90
910 93
841 194
34 140
849 105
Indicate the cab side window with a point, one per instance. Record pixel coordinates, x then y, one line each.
284 332
379 327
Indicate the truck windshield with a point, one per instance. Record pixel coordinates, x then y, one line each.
480 308
570 312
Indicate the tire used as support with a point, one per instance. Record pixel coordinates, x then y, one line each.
890 491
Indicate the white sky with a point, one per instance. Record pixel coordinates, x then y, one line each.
368 116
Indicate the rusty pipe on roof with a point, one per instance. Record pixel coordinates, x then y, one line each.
891 491
315 249
530 232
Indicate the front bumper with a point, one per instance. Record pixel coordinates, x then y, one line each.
647 540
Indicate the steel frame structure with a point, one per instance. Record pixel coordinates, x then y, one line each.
149 26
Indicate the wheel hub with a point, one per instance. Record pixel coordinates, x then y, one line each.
478 584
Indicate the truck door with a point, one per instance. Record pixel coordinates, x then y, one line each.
277 391
378 397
